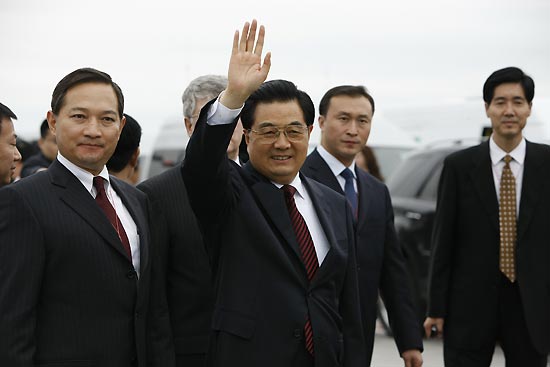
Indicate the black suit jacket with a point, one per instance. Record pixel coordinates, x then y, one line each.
465 256
185 266
380 261
34 163
262 292
69 295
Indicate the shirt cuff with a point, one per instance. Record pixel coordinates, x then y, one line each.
218 114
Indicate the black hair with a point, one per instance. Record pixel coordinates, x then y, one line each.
126 146
277 91
344 90
508 75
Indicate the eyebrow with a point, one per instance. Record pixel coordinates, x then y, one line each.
77 109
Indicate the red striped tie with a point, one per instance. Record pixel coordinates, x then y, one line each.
103 202
307 249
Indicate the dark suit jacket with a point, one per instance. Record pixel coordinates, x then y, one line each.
34 163
69 295
464 267
380 261
262 292
185 266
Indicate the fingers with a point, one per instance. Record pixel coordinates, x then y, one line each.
244 36
260 44
251 36
427 328
267 64
235 48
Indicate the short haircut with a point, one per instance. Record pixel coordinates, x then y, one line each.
81 76
44 128
5 112
344 90
26 149
277 91
206 86
508 75
126 146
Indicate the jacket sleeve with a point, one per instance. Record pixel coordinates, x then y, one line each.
22 259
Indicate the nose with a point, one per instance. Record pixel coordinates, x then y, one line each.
353 128
92 128
509 111
16 155
282 141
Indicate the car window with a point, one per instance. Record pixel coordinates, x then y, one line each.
409 176
163 159
429 191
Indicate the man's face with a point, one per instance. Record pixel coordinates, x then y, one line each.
281 160
9 155
508 111
192 120
48 146
88 126
346 127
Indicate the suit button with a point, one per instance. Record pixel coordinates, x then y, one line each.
131 274
297 333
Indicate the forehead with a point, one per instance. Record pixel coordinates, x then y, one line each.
509 90
278 113
356 104
91 95
6 128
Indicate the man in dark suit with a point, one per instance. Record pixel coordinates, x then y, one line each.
345 120
9 154
124 163
490 257
75 255
282 246
46 154
185 266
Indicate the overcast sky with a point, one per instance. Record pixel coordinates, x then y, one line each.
408 53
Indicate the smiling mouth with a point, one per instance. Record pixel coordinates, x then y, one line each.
281 157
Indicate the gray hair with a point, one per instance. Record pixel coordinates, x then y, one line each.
205 86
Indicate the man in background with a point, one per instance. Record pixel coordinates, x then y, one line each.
124 161
345 120
489 278
48 151
186 268
9 155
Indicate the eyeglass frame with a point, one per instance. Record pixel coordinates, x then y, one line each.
265 140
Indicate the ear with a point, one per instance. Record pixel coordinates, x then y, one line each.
122 123
134 158
321 121
51 121
188 126
310 129
487 109
530 107
246 137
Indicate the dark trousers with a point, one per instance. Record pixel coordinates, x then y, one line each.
512 334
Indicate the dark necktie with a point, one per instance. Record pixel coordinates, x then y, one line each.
507 219
307 249
103 202
349 189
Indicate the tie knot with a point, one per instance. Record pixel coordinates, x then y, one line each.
289 190
347 174
98 183
507 159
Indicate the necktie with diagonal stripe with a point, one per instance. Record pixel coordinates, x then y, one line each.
307 250
103 202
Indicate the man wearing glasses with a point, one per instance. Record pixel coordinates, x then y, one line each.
281 246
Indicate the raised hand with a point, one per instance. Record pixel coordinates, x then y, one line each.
246 72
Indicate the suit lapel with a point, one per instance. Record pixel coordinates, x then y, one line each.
324 213
74 195
132 205
364 188
321 172
482 178
531 188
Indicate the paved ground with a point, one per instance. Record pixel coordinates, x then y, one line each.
385 354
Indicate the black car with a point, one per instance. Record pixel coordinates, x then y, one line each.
413 189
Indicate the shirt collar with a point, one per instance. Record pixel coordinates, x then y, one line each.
297 184
497 154
334 164
82 175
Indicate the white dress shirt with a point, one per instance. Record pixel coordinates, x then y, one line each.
218 114
337 167
516 165
87 180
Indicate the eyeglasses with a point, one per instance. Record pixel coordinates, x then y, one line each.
270 134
